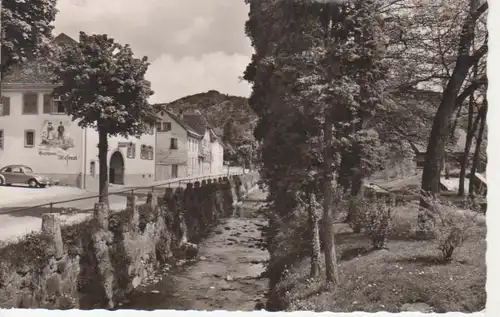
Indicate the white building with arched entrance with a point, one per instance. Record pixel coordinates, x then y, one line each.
36 131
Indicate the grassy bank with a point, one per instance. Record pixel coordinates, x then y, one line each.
410 271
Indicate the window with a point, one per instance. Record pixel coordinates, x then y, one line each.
1 139
131 150
167 126
147 152
150 153
58 106
5 106
92 168
15 170
163 126
53 105
173 144
47 103
27 169
30 103
29 138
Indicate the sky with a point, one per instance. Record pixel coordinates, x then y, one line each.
193 45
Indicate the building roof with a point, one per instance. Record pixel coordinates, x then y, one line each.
160 108
153 115
63 39
196 121
36 71
213 136
29 73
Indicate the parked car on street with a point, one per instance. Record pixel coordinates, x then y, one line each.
22 174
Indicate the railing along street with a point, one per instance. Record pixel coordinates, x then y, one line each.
173 183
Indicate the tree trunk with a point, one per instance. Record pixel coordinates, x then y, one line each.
441 124
103 166
315 238
477 152
471 130
328 235
446 167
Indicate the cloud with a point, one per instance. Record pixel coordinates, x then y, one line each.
154 27
193 45
174 78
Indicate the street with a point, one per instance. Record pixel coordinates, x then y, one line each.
21 208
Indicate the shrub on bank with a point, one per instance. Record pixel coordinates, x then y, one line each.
410 271
449 228
374 217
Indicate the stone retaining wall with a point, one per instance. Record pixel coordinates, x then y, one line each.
96 263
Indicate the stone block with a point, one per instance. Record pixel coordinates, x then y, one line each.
51 226
101 215
152 200
131 201
53 285
169 194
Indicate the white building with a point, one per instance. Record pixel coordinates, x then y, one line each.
36 131
177 147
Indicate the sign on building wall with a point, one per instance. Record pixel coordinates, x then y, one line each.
56 140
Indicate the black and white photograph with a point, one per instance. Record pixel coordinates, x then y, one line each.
246 155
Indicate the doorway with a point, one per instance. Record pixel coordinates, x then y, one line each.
116 169
175 171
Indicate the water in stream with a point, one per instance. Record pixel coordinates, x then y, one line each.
226 274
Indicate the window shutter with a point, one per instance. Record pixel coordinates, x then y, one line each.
47 103
6 105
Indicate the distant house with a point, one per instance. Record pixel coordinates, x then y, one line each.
217 154
454 149
176 147
199 124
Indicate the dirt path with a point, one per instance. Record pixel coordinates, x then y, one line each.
226 275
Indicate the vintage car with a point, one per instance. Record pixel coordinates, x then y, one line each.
21 174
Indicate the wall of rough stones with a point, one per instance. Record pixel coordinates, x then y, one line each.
96 263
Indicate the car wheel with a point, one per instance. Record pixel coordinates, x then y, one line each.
32 183
2 182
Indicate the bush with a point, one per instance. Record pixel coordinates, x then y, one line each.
72 235
449 228
288 242
374 216
356 207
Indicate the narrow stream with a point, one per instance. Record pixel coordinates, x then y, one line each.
226 274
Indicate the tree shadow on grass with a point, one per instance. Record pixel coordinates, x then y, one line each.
404 236
424 260
352 253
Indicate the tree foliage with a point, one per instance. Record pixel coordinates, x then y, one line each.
103 86
25 29
317 78
343 87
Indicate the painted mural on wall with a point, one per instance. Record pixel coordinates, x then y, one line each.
55 135
56 140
